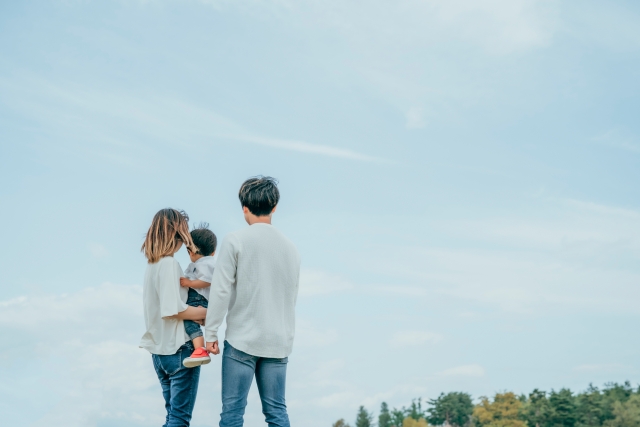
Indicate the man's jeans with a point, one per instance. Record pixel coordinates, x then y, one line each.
179 385
238 369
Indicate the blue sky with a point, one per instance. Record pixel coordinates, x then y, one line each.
460 178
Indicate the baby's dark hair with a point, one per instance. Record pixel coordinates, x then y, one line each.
204 239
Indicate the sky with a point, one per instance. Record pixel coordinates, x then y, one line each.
460 177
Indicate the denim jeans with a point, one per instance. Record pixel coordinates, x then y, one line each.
194 299
179 385
238 370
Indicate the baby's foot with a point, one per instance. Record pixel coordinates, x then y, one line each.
197 358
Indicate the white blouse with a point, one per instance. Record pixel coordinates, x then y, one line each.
162 296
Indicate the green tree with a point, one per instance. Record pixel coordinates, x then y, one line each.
627 414
415 410
563 408
612 393
589 408
384 419
536 410
397 417
340 423
364 418
453 408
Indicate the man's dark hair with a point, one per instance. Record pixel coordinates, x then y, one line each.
260 195
204 239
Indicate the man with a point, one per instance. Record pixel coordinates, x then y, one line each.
256 281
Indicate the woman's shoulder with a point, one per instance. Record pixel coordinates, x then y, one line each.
166 262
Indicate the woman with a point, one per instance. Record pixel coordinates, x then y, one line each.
164 312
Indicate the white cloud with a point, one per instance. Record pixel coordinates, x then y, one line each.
582 256
464 371
98 251
94 334
307 335
316 282
415 118
410 338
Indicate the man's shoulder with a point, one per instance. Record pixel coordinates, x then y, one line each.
283 242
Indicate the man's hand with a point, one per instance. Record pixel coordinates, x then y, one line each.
185 283
200 322
212 347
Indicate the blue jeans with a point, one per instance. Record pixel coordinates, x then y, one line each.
179 385
194 299
238 370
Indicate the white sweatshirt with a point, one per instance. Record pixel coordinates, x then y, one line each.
256 281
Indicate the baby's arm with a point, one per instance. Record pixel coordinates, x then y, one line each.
195 284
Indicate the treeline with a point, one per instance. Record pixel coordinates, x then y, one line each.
615 405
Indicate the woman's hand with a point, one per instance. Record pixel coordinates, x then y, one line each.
200 322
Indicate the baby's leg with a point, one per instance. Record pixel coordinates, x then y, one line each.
192 328
199 355
194 332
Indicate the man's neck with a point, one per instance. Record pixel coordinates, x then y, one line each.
266 219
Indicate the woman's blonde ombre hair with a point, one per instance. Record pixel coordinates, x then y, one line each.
169 229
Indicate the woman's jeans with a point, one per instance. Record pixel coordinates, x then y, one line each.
238 370
179 385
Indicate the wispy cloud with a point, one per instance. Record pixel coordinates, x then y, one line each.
318 282
413 338
464 371
113 121
306 147
98 251
415 118
618 139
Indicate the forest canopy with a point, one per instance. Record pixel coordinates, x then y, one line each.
614 405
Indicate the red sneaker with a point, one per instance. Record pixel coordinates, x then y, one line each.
200 356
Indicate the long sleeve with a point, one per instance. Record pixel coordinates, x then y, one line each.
222 287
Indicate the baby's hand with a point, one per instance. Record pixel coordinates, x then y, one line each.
184 282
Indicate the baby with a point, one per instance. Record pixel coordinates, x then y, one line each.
198 280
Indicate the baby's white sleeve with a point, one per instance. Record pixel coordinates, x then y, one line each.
204 271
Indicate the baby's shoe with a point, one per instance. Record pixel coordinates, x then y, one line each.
199 357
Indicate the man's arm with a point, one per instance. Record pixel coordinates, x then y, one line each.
195 284
222 283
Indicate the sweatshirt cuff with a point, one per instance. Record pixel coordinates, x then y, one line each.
210 336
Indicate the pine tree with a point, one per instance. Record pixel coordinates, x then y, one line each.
537 409
589 408
453 408
364 418
563 408
397 417
384 419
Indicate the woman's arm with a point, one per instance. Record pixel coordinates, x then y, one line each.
191 313
195 284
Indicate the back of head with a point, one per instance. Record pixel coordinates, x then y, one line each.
260 195
204 239
169 229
